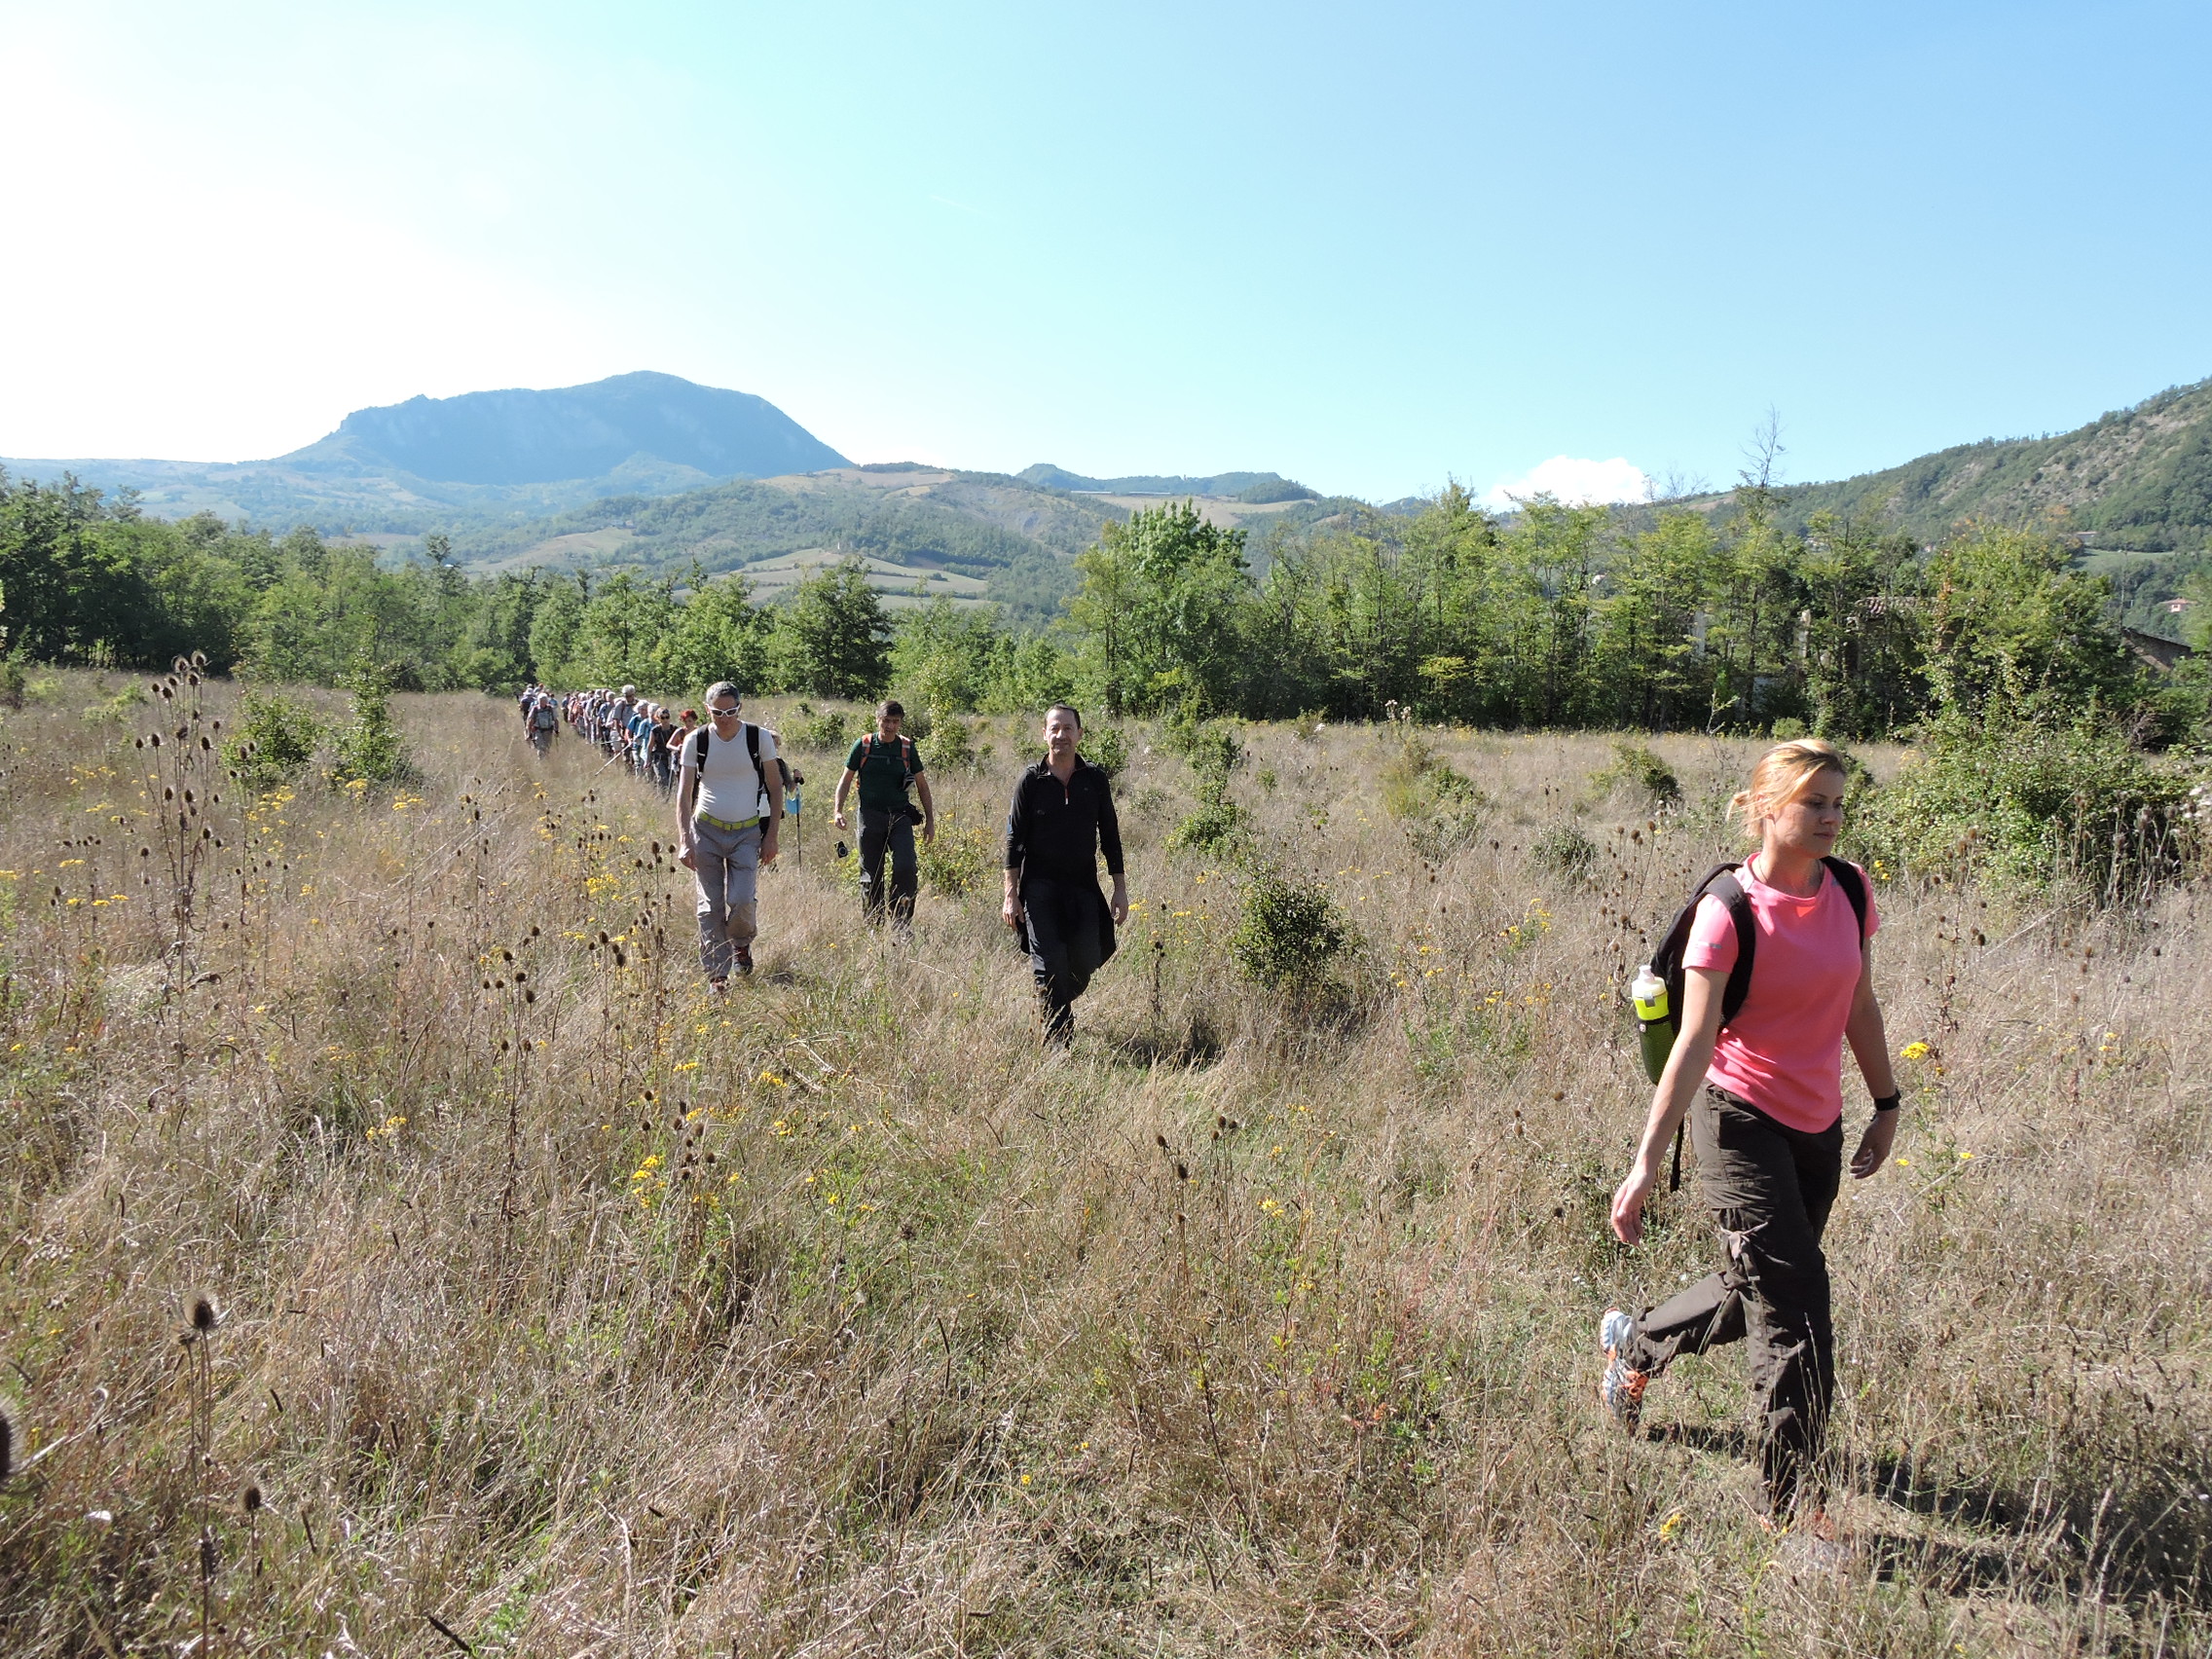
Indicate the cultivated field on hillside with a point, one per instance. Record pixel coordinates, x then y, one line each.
548 1302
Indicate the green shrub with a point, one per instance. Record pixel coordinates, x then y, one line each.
823 732
1209 746
118 710
1564 850
957 862
12 683
1107 749
1442 809
367 749
1639 770
1214 825
2046 809
273 738
1288 931
952 746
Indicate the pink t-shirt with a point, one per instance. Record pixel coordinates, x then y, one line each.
1783 1051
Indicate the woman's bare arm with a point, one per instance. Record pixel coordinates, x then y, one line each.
1677 1086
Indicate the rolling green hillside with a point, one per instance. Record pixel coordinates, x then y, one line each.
1017 540
2138 479
1017 536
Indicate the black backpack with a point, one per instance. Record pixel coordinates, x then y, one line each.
1666 961
752 753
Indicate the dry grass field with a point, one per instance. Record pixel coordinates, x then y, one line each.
547 1307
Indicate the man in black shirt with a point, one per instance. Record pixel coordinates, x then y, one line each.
1062 818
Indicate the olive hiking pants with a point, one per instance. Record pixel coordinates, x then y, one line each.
1771 1188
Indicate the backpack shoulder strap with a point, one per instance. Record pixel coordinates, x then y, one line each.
752 744
1730 891
1854 887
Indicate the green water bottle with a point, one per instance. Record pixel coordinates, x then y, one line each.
1655 1030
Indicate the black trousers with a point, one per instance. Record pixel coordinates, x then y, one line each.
1066 944
882 830
1772 1188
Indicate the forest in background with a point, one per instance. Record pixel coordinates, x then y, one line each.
1556 618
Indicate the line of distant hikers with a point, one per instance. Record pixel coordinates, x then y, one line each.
1746 1065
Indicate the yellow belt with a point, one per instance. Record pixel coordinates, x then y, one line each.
724 823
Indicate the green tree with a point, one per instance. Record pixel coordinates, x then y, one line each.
948 660
1645 655
721 634
834 637
2012 630
624 632
556 627
1156 611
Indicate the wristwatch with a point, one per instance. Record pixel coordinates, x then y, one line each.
1887 1102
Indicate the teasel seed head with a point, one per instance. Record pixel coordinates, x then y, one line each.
206 1314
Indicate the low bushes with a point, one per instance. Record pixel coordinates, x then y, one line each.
1289 931
2055 810
273 738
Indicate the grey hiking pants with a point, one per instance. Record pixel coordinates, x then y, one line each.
884 831
1771 1188
727 869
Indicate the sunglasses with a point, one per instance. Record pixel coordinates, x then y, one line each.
723 714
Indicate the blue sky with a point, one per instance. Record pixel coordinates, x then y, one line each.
1370 246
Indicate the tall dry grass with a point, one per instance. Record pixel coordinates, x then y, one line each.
567 1311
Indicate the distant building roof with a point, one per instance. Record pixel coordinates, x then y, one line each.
2156 649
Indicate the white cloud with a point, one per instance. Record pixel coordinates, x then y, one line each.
1571 481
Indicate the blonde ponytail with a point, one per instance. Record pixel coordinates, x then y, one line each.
1781 772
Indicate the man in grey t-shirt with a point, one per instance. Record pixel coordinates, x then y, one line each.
727 809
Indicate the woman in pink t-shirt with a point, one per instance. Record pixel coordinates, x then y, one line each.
1769 1123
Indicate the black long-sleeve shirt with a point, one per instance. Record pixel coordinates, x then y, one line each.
1056 830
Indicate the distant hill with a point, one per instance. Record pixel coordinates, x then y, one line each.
1014 535
1016 541
579 431
2138 479
1252 487
2133 487
483 458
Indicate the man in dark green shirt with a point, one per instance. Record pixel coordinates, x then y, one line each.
886 764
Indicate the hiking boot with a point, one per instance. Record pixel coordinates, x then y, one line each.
744 959
1620 1388
719 986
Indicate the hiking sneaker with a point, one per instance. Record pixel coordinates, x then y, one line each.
719 986
744 959
1620 1388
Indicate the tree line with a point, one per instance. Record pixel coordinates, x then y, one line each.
1555 616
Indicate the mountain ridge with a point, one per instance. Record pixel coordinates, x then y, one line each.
2138 478
486 457
523 436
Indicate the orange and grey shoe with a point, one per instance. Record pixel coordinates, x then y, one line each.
1620 1387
